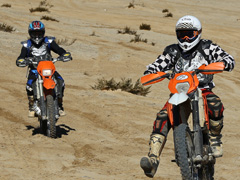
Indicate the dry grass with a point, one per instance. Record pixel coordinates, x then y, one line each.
145 27
6 5
127 30
39 9
6 28
169 15
124 85
137 38
48 18
42 7
165 10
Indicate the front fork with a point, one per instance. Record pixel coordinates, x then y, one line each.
40 96
198 136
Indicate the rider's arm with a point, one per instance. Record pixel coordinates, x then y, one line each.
217 54
65 56
163 62
57 49
20 62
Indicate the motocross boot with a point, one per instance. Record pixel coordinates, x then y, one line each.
215 137
61 109
31 112
150 164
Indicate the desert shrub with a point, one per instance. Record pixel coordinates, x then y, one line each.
39 9
48 18
42 7
6 28
145 27
66 42
131 5
45 3
165 10
93 34
6 5
137 38
153 44
127 30
124 85
169 15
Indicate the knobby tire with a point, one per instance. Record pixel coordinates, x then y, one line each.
51 132
184 150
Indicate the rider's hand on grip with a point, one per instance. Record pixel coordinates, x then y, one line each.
65 57
21 63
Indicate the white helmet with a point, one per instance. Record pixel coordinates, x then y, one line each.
188 30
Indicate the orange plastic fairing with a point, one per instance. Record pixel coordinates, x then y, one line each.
48 82
189 77
152 78
212 68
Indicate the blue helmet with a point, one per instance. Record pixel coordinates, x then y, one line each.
36 31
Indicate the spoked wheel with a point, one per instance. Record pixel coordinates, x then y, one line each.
184 149
51 122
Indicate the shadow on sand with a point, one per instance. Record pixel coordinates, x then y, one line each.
62 129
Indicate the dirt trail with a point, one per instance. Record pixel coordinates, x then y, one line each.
105 133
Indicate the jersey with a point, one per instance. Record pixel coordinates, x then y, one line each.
205 52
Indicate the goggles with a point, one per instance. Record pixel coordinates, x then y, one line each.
187 35
37 34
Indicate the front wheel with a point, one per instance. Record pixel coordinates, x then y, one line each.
51 122
184 149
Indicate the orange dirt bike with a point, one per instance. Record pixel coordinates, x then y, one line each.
46 92
191 141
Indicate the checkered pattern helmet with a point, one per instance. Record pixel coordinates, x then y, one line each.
36 31
188 30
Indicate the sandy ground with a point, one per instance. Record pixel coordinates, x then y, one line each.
105 133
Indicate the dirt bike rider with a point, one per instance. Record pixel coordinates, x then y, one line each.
38 45
189 54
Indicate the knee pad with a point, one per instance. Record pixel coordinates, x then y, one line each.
215 107
162 115
161 125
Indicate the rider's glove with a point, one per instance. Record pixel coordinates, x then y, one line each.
147 72
21 63
65 57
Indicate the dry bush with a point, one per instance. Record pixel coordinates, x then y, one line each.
6 28
48 18
127 30
131 5
145 27
124 85
169 15
65 41
39 9
165 10
137 38
45 3
42 7
6 5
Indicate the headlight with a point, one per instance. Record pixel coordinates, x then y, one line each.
47 72
182 87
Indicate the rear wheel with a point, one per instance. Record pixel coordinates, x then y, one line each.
51 122
184 149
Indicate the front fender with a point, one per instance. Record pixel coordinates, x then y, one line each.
49 83
178 98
